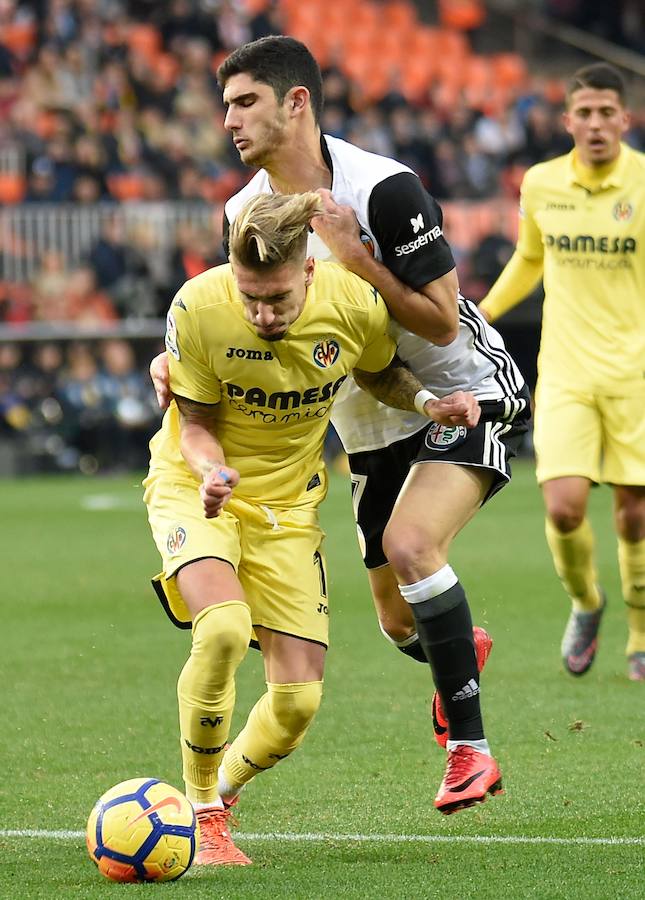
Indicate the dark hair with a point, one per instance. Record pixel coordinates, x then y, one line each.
279 61
599 76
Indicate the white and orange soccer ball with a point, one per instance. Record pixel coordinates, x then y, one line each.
142 830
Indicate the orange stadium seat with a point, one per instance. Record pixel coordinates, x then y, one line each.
509 69
478 81
399 15
418 74
452 44
423 43
13 187
464 15
126 186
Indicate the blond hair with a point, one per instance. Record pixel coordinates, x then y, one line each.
271 229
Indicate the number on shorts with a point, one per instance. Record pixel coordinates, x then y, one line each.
318 561
359 483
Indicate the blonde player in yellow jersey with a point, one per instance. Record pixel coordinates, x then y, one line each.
258 350
582 228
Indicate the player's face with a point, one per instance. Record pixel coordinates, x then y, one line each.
596 120
273 300
255 119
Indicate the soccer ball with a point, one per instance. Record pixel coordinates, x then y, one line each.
142 830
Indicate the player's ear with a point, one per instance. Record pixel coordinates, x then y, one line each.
566 118
310 265
297 99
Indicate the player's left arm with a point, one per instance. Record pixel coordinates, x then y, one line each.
409 226
397 386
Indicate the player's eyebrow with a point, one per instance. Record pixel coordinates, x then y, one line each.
266 298
239 98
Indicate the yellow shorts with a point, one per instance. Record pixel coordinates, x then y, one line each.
277 554
594 436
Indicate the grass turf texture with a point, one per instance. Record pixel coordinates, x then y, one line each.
89 663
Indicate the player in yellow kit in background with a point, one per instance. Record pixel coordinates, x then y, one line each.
582 227
258 350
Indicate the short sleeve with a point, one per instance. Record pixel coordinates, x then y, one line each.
379 346
408 225
529 241
190 373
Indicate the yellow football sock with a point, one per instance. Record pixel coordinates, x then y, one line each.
206 693
276 726
573 558
631 561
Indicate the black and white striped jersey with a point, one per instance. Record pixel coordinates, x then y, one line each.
403 226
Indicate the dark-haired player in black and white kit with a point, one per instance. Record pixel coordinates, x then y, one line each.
383 225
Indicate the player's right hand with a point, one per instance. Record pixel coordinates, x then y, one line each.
161 380
217 488
458 408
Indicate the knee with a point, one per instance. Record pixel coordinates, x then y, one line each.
630 518
222 631
410 556
565 515
294 705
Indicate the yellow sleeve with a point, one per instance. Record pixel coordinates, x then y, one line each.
379 346
524 269
190 373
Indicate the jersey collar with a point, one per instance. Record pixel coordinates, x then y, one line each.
615 178
324 149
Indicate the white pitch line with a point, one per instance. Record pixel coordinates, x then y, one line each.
314 837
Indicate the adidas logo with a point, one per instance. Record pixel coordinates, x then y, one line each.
468 691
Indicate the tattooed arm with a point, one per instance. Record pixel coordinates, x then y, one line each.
204 454
397 386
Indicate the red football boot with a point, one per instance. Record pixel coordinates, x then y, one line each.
470 775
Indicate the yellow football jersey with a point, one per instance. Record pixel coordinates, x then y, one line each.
274 398
592 239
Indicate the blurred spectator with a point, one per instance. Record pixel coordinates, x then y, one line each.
14 413
449 172
195 252
45 81
41 183
15 303
130 402
487 261
49 287
500 135
267 21
85 302
122 270
86 424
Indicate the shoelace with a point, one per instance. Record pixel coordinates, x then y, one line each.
213 824
459 761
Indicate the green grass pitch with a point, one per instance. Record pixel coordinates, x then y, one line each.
88 668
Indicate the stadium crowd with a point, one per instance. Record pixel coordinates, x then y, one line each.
77 405
108 102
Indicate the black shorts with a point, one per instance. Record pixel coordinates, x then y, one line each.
378 475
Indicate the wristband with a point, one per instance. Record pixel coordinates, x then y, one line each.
420 399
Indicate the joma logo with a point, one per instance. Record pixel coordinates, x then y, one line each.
238 353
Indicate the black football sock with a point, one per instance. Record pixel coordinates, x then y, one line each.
445 631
